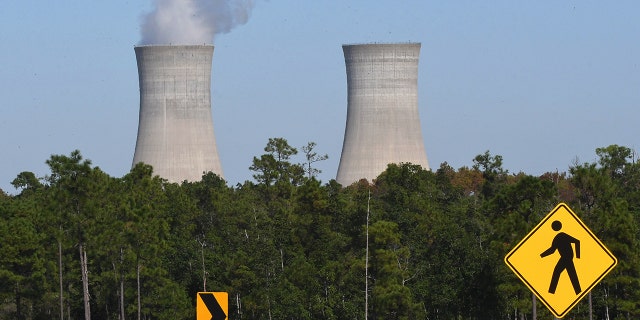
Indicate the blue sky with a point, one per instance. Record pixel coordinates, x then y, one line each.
541 83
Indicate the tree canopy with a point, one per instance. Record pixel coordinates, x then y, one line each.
80 243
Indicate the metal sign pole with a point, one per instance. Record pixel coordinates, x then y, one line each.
533 302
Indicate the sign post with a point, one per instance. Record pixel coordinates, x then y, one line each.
560 260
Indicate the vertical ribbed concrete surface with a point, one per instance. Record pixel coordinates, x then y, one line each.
175 129
383 124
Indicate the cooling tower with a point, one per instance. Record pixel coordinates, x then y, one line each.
175 129
383 125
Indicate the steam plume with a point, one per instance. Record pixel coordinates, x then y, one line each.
192 21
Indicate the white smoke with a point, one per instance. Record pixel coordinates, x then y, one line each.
192 21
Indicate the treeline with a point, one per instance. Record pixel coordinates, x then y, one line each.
79 243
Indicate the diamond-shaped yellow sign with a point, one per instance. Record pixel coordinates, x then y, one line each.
560 260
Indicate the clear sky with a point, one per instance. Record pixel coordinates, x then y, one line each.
541 83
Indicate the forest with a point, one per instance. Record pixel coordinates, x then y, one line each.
412 244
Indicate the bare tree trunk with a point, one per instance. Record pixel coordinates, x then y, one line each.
138 280
281 260
606 304
18 301
239 305
121 297
85 281
203 244
122 316
590 307
60 278
534 303
366 266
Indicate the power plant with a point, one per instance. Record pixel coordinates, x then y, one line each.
175 128
383 124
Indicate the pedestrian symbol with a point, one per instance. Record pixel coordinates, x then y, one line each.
560 260
562 242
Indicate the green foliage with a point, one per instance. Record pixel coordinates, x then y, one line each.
311 158
290 247
274 167
23 266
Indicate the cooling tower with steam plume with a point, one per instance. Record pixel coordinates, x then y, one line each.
175 129
383 124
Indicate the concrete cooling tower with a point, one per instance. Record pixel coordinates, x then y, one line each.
175 129
383 125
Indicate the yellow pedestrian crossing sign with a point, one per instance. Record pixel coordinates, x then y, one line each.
560 260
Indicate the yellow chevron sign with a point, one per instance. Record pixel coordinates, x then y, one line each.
212 305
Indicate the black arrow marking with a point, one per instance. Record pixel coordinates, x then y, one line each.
214 307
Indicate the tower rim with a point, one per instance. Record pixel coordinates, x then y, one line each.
381 43
173 45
